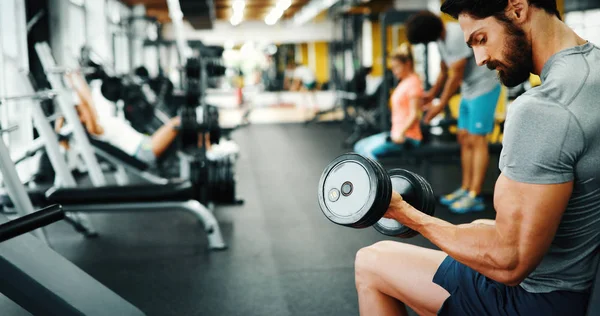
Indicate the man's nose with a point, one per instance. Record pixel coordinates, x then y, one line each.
481 56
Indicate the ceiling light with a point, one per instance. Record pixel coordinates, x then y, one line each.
283 4
311 10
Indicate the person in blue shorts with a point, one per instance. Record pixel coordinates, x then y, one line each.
540 254
480 90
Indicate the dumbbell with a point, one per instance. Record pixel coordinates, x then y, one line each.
355 191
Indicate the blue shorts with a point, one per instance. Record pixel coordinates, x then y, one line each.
477 115
471 293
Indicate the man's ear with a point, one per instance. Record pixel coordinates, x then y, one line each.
517 10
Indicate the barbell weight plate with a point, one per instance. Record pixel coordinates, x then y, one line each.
347 189
412 191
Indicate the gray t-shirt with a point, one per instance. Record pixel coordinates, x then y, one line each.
477 80
552 135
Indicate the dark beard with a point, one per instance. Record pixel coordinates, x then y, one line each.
518 55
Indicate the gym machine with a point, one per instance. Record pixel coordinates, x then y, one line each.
80 222
173 196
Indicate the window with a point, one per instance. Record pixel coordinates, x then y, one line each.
118 40
8 21
13 81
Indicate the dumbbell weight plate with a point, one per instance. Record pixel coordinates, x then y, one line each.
382 200
348 188
412 190
430 197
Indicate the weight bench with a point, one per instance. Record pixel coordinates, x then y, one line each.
139 198
175 195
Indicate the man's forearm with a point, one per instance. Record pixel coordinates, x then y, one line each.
450 88
478 246
439 84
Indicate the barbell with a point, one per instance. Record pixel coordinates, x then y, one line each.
355 191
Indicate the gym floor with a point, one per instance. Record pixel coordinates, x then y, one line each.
284 256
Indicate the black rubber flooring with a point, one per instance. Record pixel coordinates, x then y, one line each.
284 256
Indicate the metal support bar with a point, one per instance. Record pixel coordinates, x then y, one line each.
15 188
211 226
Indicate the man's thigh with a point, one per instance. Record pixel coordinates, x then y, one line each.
463 115
406 273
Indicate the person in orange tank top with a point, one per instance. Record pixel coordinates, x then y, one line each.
405 100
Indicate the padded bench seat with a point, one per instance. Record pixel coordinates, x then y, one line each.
173 191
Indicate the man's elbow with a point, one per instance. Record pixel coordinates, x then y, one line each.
512 271
511 278
509 268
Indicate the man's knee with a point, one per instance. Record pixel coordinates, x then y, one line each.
464 138
478 140
365 264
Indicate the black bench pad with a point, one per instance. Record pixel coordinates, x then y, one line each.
174 191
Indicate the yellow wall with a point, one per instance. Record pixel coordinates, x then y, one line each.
377 53
322 60
376 36
304 54
561 6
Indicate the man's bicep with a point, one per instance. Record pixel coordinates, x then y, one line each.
528 215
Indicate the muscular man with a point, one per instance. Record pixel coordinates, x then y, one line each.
480 91
540 254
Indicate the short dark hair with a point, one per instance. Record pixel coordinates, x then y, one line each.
482 9
424 27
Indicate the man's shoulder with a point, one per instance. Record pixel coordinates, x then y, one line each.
534 105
